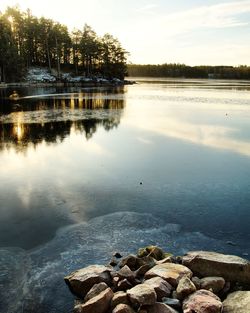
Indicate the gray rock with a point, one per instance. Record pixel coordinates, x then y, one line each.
230 267
202 301
123 308
142 295
196 281
98 304
174 303
81 281
170 272
161 287
160 308
237 302
95 290
185 287
215 283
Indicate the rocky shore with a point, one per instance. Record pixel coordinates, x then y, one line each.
153 281
41 77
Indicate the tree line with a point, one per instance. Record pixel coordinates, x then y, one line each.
182 70
26 41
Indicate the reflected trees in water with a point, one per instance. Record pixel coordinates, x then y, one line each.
52 119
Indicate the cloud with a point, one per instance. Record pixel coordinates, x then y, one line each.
147 8
221 15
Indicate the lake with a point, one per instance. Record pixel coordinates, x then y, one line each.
88 171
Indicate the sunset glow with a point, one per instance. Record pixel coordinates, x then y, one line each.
192 32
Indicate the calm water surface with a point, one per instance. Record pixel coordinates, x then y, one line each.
177 149
86 172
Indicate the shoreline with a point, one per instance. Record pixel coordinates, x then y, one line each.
69 84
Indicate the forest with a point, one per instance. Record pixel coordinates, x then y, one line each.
182 70
26 41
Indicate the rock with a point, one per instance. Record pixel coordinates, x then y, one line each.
81 281
153 251
202 301
123 308
225 289
125 272
170 272
214 283
161 287
160 308
230 267
124 285
185 287
98 304
174 303
142 270
237 302
142 295
113 262
130 261
95 290
119 297
168 259
117 255
197 282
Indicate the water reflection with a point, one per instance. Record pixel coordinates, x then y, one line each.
52 117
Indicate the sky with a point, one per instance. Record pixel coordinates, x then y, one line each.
194 32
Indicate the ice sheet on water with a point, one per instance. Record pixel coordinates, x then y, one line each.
39 273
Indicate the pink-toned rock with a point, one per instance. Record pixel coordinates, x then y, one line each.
202 301
95 290
215 283
142 295
123 308
170 272
98 304
185 287
81 281
205 263
160 308
161 287
237 302
119 297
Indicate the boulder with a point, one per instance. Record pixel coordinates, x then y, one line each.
160 308
126 273
95 290
124 285
174 303
119 297
130 261
142 295
202 301
123 308
230 267
161 287
153 251
214 283
170 272
185 287
81 281
98 304
237 302
197 282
